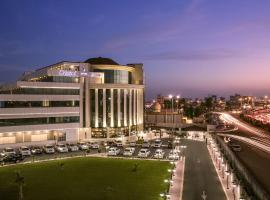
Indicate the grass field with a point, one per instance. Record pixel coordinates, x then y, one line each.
86 178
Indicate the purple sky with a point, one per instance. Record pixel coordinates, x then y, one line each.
188 47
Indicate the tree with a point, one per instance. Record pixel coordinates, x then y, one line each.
20 182
209 103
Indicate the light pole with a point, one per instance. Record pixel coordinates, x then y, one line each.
227 174
177 101
171 97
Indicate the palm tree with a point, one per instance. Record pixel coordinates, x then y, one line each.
20 182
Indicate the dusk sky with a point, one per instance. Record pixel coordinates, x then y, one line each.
188 47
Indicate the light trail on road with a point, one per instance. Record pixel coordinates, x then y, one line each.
259 138
256 132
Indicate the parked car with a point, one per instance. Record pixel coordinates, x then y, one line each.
25 151
132 144
12 158
73 147
61 148
83 146
49 149
8 151
113 151
36 150
146 144
129 151
173 155
157 144
236 147
159 154
144 153
94 145
119 143
170 145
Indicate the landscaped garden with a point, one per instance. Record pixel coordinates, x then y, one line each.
85 178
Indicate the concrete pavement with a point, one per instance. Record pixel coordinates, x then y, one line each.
176 189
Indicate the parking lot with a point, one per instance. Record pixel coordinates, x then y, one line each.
102 150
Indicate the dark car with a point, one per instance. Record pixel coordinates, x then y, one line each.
12 158
170 146
36 150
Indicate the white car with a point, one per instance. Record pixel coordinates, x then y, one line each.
62 148
83 146
25 151
113 151
49 149
144 153
159 154
173 155
129 151
146 144
8 151
132 144
94 145
119 144
73 147
157 144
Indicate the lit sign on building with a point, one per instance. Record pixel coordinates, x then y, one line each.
75 73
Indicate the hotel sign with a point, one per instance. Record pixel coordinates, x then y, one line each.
68 73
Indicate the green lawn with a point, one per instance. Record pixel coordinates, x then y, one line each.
87 178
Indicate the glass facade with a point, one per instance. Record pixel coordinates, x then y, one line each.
30 104
53 91
116 76
61 79
38 121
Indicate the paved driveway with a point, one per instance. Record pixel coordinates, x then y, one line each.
200 174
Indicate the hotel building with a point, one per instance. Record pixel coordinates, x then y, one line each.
73 101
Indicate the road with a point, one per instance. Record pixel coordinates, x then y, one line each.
257 162
200 174
247 130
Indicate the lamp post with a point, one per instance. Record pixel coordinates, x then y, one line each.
171 97
227 174
177 101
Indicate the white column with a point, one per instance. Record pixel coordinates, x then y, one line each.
104 108
138 106
112 109
130 107
125 107
96 107
118 108
87 104
134 107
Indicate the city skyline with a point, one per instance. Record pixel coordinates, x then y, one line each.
191 48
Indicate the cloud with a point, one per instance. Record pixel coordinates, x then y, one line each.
194 55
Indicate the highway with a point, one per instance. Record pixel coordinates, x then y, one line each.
253 135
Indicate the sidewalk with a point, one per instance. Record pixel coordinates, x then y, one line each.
176 189
224 177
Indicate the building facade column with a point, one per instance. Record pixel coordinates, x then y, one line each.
96 108
104 123
134 107
112 108
130 107
118 108
125 107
